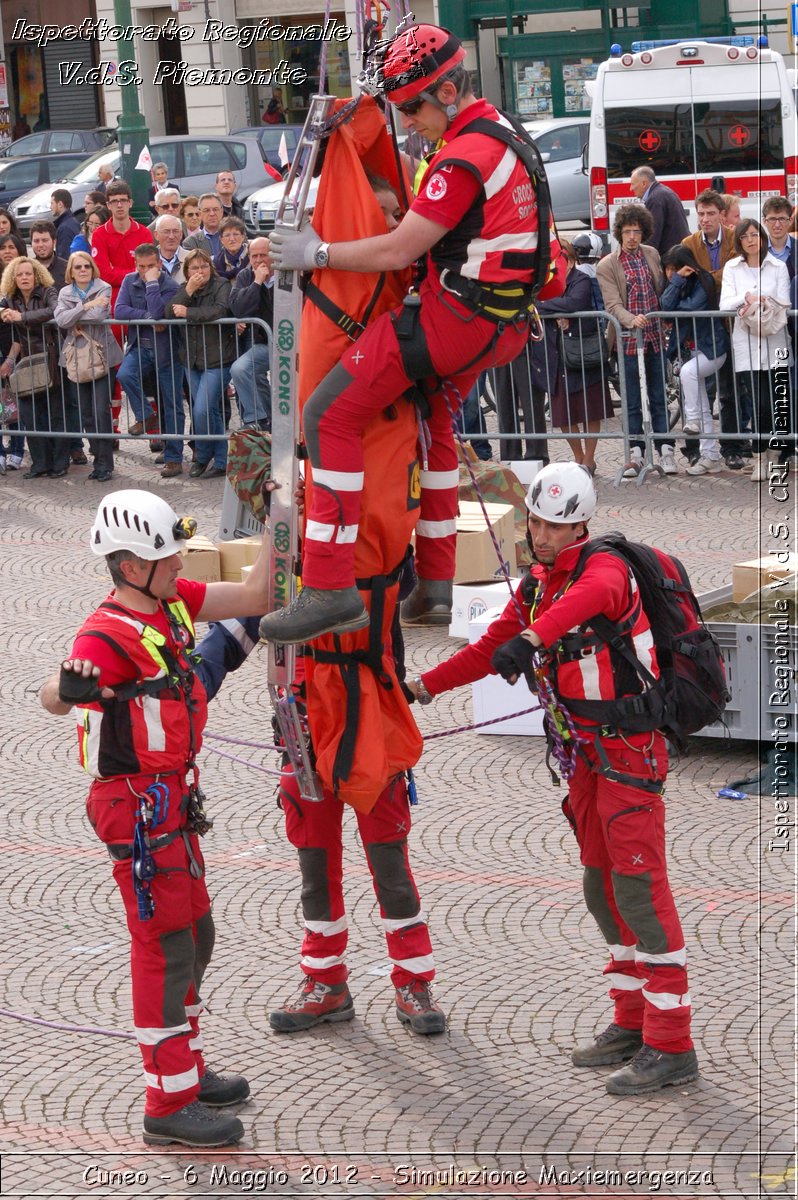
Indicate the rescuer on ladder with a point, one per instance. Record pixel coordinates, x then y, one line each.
477 215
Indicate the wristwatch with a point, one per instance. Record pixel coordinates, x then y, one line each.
423 695
321 258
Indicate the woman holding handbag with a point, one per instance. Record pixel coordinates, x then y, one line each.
757 285
89 355
27 301
208 354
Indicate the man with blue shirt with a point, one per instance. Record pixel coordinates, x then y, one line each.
152 351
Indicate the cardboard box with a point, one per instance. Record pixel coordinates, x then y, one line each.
241 552
748 577
201 560
493 697
471 600
524 469
476 554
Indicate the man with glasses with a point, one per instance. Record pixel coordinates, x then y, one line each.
167 200
208 238
475 221
168 236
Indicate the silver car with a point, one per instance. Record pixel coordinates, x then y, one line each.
561 141
194 161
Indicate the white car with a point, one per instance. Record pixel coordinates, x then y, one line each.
561 141
260 210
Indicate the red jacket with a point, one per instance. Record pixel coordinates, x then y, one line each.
605 586
113 252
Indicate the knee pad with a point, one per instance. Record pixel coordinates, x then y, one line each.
315 890
633 897
598 905
178 951
396 891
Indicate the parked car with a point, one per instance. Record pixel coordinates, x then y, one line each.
55 141
561 141
19 175
270 137
194 161
260 210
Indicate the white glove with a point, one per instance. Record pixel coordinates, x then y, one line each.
294 249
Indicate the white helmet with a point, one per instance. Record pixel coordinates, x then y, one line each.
587 246
140 522
562 493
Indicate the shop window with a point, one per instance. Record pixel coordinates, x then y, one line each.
574 76
532 88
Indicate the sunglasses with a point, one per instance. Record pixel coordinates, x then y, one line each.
82 266
171 205
410 107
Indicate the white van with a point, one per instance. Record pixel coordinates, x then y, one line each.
702 113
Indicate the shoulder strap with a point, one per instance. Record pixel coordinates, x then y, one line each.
521 144
352 328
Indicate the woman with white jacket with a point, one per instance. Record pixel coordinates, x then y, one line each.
83 302
751 276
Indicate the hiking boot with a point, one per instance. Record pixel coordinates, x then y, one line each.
139 427
429 603
217 1091
635 464
313 613
317 1002
651 1070
614 1045
705 466
78 457
416 1008
171 469
193 1125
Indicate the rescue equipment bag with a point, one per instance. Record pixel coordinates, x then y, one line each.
691 691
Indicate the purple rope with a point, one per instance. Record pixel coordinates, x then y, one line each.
244 762
428 737
219 737
64 1027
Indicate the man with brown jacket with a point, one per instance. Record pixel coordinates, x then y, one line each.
713 246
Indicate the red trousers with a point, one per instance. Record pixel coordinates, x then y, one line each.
621 834
315 829
169 953
369 377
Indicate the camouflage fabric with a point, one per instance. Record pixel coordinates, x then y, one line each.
249 467
498 485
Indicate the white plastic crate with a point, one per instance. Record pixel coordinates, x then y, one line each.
749 653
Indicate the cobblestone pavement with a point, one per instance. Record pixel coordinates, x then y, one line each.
366 1108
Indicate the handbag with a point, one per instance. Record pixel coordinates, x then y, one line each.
589 350
764 316
30 374
84 359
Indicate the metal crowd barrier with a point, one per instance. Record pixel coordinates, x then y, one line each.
640 396
164 396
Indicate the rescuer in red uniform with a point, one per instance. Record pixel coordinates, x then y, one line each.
476 217
141 710
614 800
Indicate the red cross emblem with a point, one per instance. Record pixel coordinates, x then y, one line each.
436 188
555 490
649 140
739 135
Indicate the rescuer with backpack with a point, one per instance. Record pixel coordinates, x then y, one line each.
616 767
481 223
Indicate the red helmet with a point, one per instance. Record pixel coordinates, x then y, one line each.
416 58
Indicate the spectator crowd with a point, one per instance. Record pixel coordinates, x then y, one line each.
63 368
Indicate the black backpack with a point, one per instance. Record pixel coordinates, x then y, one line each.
691 691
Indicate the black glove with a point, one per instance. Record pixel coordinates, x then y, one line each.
514 658
74 688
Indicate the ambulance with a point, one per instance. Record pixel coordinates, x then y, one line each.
702 113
